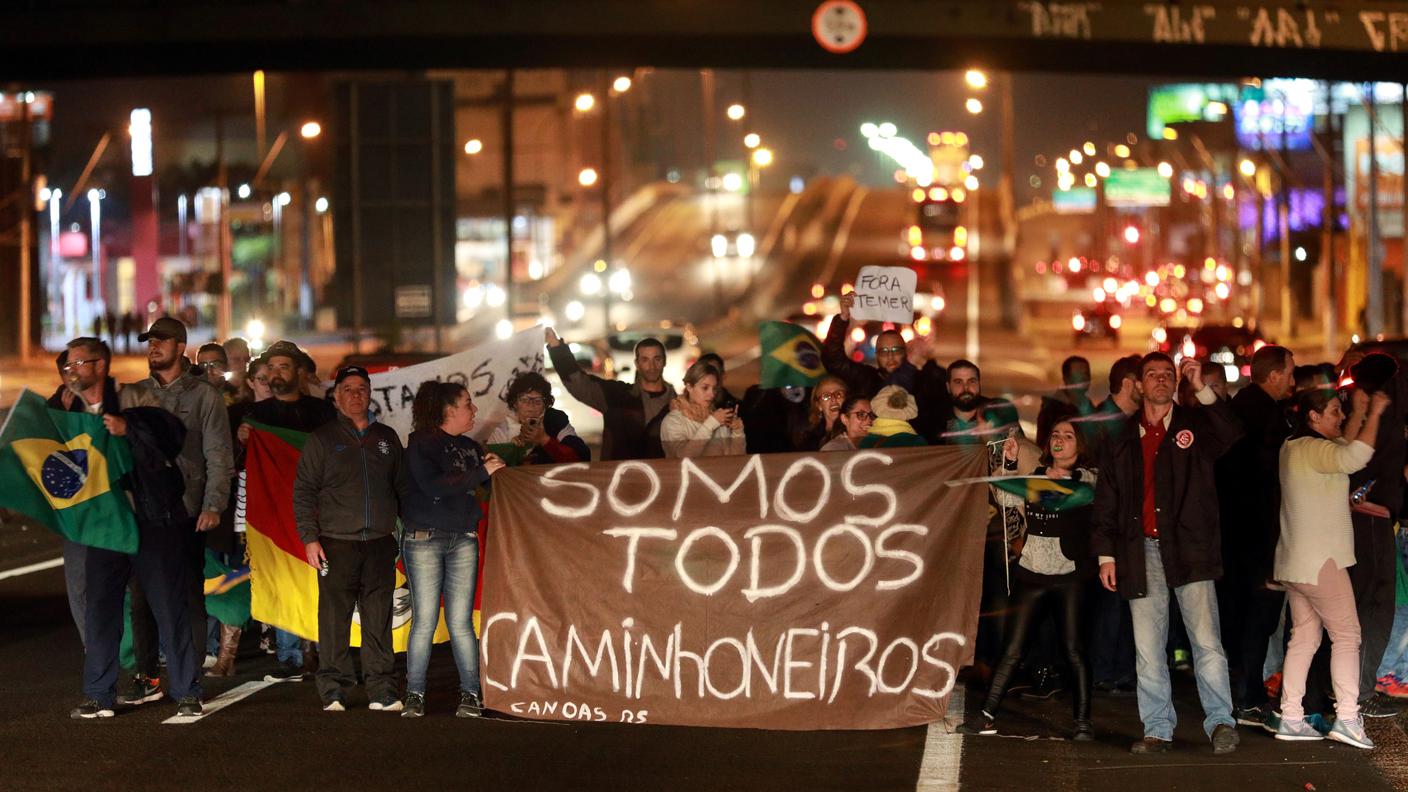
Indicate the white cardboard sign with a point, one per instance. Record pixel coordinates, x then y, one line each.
885 294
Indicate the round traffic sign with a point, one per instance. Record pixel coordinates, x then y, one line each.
838 25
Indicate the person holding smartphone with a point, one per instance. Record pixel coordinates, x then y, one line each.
539 433
699 427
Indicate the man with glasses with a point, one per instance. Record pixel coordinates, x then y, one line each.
214 365
1156 529
892 367
206 461
155 438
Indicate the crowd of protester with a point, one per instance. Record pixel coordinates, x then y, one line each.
1225 534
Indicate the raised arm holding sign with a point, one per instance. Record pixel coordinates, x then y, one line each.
885 294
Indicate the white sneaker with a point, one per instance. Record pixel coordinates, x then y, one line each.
334 706
393 705
1351 732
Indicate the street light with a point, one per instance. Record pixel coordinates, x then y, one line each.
736 112
590 284
587 177
1165 170
762 157
321 205
473 146
621 84
752 140
1248 168
244 191
310 130
976 79
974 105
584 103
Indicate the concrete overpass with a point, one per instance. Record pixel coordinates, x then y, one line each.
1344 39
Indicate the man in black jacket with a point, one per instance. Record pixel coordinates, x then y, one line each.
1156 528
632 412
346 499
1249 494
892 367
157 489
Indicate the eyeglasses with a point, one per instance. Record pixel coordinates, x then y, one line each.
832 396
73 365
1161 375
889 350
864 416
530 401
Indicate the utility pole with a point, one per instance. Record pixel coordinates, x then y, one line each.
26 208
605 186
1375 309
506 130
1007 277
222 248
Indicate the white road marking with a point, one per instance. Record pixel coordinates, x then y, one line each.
220 702
39 567
943 750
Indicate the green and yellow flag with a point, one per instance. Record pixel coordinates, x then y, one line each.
62 469
791 355
1055 494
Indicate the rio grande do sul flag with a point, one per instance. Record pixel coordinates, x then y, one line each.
283 585
62 468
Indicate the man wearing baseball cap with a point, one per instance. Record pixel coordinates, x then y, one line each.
346 498
206 460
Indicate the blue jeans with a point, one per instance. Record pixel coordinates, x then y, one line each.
1198 604
289 647
444 564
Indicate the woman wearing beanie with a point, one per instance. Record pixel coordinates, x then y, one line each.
1054 567
1315 548
894 408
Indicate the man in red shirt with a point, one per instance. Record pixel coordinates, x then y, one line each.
1156 529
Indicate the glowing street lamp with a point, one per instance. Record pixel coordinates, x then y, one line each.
976 79
762 157
620 85
736 112
974 105
1248 168
310 130
584 103
473 146
752 140
587 177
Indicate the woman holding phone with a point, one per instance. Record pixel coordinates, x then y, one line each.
539 433
699 427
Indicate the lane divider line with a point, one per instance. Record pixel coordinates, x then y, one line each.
943 750
220 702
39 567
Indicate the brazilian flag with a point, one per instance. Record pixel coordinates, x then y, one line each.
226 591
1056 495
62 469
791 355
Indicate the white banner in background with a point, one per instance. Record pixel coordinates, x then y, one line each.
486 370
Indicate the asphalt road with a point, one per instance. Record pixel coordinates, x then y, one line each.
277 737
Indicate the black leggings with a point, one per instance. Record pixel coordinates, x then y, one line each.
1029 605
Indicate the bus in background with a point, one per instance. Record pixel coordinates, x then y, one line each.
939 232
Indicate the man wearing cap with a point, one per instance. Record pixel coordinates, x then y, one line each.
206 461
346 498
291 408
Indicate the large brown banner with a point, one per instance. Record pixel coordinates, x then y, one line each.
788 591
